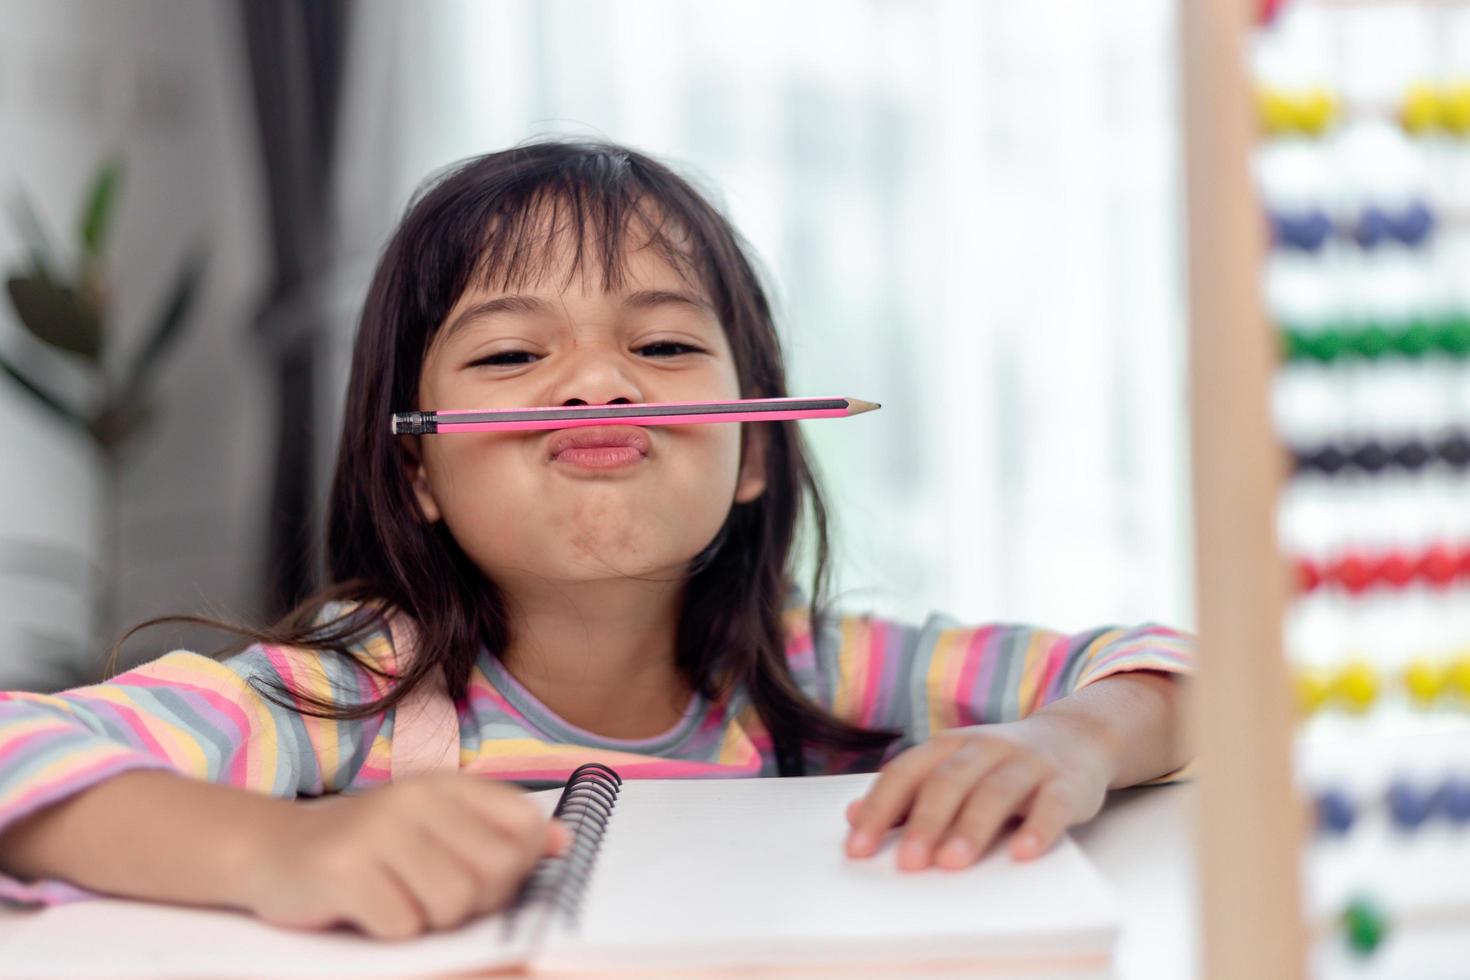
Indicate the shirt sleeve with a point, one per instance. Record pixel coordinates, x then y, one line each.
921 679
189 714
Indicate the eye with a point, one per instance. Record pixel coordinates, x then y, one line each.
515 358
502 358
673 347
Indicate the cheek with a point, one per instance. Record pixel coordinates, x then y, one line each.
509 510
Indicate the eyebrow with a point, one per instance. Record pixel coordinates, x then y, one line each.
644 299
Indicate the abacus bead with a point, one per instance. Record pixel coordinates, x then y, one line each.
1308 575
1454 108
1420 111
1330 459
1372 341
1293 344
1416 339
1365 925
1408 805
1277 113
1312 688
1414 223
1454 334
1372 227
1455 450
1462 566
1396 568
1424 679
1370 456
1314 111
1459 676
1438 565
1327 344
1354 573
1411 455
1308 231
1454 797
1335 812
1357 684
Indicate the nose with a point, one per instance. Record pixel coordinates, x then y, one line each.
595 377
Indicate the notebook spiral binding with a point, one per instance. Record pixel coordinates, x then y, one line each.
585 806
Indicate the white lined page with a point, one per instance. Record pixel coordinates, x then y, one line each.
717 871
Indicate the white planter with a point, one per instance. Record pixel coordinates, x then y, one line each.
51 511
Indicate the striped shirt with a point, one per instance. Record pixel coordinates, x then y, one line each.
206 718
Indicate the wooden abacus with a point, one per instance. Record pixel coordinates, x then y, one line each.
1263 821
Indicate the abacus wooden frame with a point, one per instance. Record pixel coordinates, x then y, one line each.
1250 824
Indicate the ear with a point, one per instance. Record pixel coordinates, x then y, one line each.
419 480
752 481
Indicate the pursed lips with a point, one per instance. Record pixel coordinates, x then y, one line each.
598 437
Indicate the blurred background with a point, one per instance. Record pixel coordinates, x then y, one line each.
970 212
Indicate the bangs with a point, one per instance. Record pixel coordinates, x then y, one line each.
596 223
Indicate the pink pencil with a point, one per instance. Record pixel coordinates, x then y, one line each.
648 413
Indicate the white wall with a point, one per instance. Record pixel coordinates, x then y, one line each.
165 83
969 212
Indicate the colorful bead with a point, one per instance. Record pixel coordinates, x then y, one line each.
1408 805
1372 341
1313 687
1355 574
1454 799
1335 812
1414 224
1420 111
1454 335
1411 455
1425 680
1416 339
1311 111
1458 676
1365 925
1455 450
1448 334
1279 114
1357 685
1396 568
1372 228
1439 565
1454 108
1316 109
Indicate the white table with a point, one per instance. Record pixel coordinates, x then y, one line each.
1141 843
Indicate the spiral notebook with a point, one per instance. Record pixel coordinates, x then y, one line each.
664 877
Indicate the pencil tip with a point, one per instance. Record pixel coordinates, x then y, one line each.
856 406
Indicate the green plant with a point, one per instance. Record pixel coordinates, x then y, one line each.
69 313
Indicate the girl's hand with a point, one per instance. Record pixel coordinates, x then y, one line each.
961 787
429 852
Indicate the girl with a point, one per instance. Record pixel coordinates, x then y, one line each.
613 594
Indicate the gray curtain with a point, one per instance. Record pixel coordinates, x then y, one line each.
296 54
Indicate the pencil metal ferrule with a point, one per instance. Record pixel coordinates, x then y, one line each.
414 424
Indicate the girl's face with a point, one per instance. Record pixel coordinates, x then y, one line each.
529 517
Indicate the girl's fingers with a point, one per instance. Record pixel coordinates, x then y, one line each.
1000 794
498 864
1051 814
385 907
892 792
440 881
940 797
509 810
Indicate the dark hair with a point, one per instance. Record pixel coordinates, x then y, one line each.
480 222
